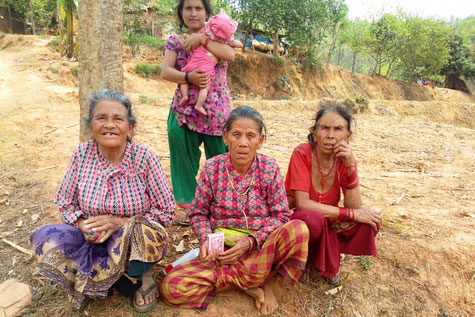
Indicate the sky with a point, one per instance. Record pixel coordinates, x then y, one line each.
443 9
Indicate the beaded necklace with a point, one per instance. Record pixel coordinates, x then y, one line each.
231 182
324 181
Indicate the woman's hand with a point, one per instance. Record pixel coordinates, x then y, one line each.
199 78
206 256
370 217
343 149
192 41
235 253
102 227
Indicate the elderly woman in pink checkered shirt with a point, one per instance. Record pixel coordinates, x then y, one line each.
115 201
240 193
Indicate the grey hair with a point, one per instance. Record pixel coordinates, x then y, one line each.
245 112
109 94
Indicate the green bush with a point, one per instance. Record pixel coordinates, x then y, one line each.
278 60
55 43
75 71
158 44
20 38
147 70
362 103
350 105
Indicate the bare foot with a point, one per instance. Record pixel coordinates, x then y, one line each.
147 281
201 110
183 101
258 294
270 303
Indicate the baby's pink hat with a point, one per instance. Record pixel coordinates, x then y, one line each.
221 27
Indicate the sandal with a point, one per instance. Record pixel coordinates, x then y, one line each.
333 280
187 220
145 308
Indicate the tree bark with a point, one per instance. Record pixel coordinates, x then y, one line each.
353 62
276 43
454 82
246 36
100 51
10 26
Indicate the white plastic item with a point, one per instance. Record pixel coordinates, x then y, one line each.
190 255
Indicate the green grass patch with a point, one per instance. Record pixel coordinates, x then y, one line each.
54 70
144 99
55 42
75 71
146 70
158 44
366 262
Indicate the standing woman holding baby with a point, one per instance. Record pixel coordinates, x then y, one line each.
187 127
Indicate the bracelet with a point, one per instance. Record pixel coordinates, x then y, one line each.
186 78
251 243
346 214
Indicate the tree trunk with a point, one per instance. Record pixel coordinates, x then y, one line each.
276 43
340 55
100 51
10 26
246 35
454 82
336 30
353 62
69 25
32 20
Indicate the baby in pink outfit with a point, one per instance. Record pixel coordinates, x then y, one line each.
219 28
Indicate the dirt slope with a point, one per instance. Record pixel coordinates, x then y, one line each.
418 153
261 75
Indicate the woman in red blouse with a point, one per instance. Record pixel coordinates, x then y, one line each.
317 171
242 192
114 200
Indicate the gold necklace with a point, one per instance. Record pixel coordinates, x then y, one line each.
230 180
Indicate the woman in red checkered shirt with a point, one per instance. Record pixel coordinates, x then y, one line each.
242 194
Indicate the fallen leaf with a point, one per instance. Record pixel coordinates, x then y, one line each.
334 291
195 241
25 211
180 247
19 223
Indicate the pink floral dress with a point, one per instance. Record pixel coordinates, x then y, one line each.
218 102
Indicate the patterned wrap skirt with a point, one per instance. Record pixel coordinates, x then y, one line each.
86 269
193 284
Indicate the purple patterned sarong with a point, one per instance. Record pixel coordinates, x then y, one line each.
86 269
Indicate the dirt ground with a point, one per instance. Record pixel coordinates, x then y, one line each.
416 161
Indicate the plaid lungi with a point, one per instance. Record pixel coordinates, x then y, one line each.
194 283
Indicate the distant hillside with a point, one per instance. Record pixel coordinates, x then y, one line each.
262 75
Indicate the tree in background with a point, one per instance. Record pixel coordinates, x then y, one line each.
461 64
422 46
36 13
134 29
67 9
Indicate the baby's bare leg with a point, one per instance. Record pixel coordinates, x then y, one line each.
184 91
201 100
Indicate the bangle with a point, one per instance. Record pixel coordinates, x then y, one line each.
251 243
186 78
205 45
346 214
